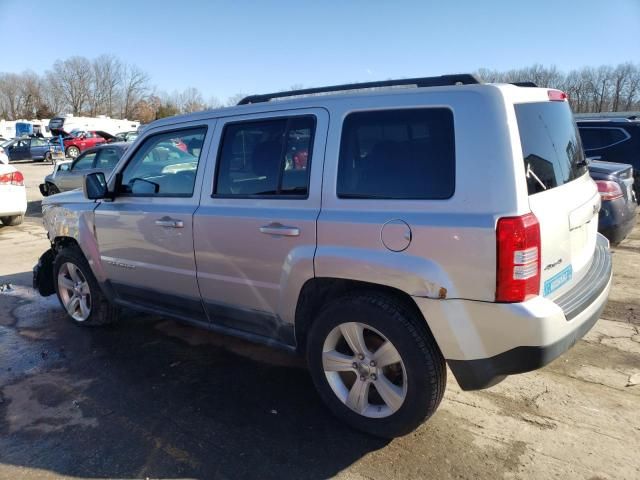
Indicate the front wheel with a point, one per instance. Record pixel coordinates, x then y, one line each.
375 364
78 290
47 157
52 189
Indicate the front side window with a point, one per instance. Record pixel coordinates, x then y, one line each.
266 158
84 162
397 154
165 164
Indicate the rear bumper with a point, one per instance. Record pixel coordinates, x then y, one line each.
484 342
13 200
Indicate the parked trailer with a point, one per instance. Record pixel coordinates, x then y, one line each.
65 124
10 129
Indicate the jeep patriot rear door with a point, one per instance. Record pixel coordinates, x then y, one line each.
255 229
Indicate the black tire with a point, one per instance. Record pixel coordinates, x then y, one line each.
52 189
102 312
13 220
424 364
47 157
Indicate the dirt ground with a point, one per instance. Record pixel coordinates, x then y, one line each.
153 398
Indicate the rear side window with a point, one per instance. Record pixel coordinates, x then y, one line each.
397 154
594 138
550 145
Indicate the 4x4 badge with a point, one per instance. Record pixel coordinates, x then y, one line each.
552 265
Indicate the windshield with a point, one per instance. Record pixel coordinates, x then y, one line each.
551 145
56 123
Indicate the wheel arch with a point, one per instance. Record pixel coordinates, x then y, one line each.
318 291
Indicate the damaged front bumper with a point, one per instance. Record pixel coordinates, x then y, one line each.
43 274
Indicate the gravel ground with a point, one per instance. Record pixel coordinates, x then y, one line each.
153 398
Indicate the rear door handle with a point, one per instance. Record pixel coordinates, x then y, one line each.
279 229
169 222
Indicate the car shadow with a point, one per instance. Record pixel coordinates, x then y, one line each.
150 397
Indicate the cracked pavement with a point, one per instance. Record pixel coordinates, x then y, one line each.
154 398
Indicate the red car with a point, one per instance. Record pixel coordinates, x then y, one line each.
78 142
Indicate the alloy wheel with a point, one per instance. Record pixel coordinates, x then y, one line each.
74 292
364 369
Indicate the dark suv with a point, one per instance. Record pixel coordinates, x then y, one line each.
613 139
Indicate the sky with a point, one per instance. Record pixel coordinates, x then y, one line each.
225 48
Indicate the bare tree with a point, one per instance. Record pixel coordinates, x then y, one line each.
234 99
10 94
135 84
191 101
107 79
72 79
214 103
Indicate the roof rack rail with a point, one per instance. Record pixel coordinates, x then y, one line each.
524 84
442 80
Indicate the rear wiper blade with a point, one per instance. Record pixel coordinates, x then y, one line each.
535 177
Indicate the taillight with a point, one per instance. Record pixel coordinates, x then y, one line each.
13 178
557 95
609 190
518 258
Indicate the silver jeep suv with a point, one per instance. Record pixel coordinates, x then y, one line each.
384 233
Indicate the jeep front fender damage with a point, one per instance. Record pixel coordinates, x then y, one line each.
43 274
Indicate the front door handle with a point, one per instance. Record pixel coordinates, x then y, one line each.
169 222
279 229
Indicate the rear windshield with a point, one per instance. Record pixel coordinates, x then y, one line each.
551 145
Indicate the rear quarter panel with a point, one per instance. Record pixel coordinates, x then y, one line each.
452 253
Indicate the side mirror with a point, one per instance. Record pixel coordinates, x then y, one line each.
95 186
65 167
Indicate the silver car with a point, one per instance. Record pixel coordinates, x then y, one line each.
69 174
384 234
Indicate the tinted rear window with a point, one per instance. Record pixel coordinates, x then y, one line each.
593 137
397 154
550 143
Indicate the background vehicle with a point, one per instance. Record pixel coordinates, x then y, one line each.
612 139
10 129
79 141
4 158
126 136
13 195
69 175
25 148
617 215
65 124
369 231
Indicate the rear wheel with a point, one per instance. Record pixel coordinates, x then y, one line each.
13 220
73 152
375 364
47 157
78 290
